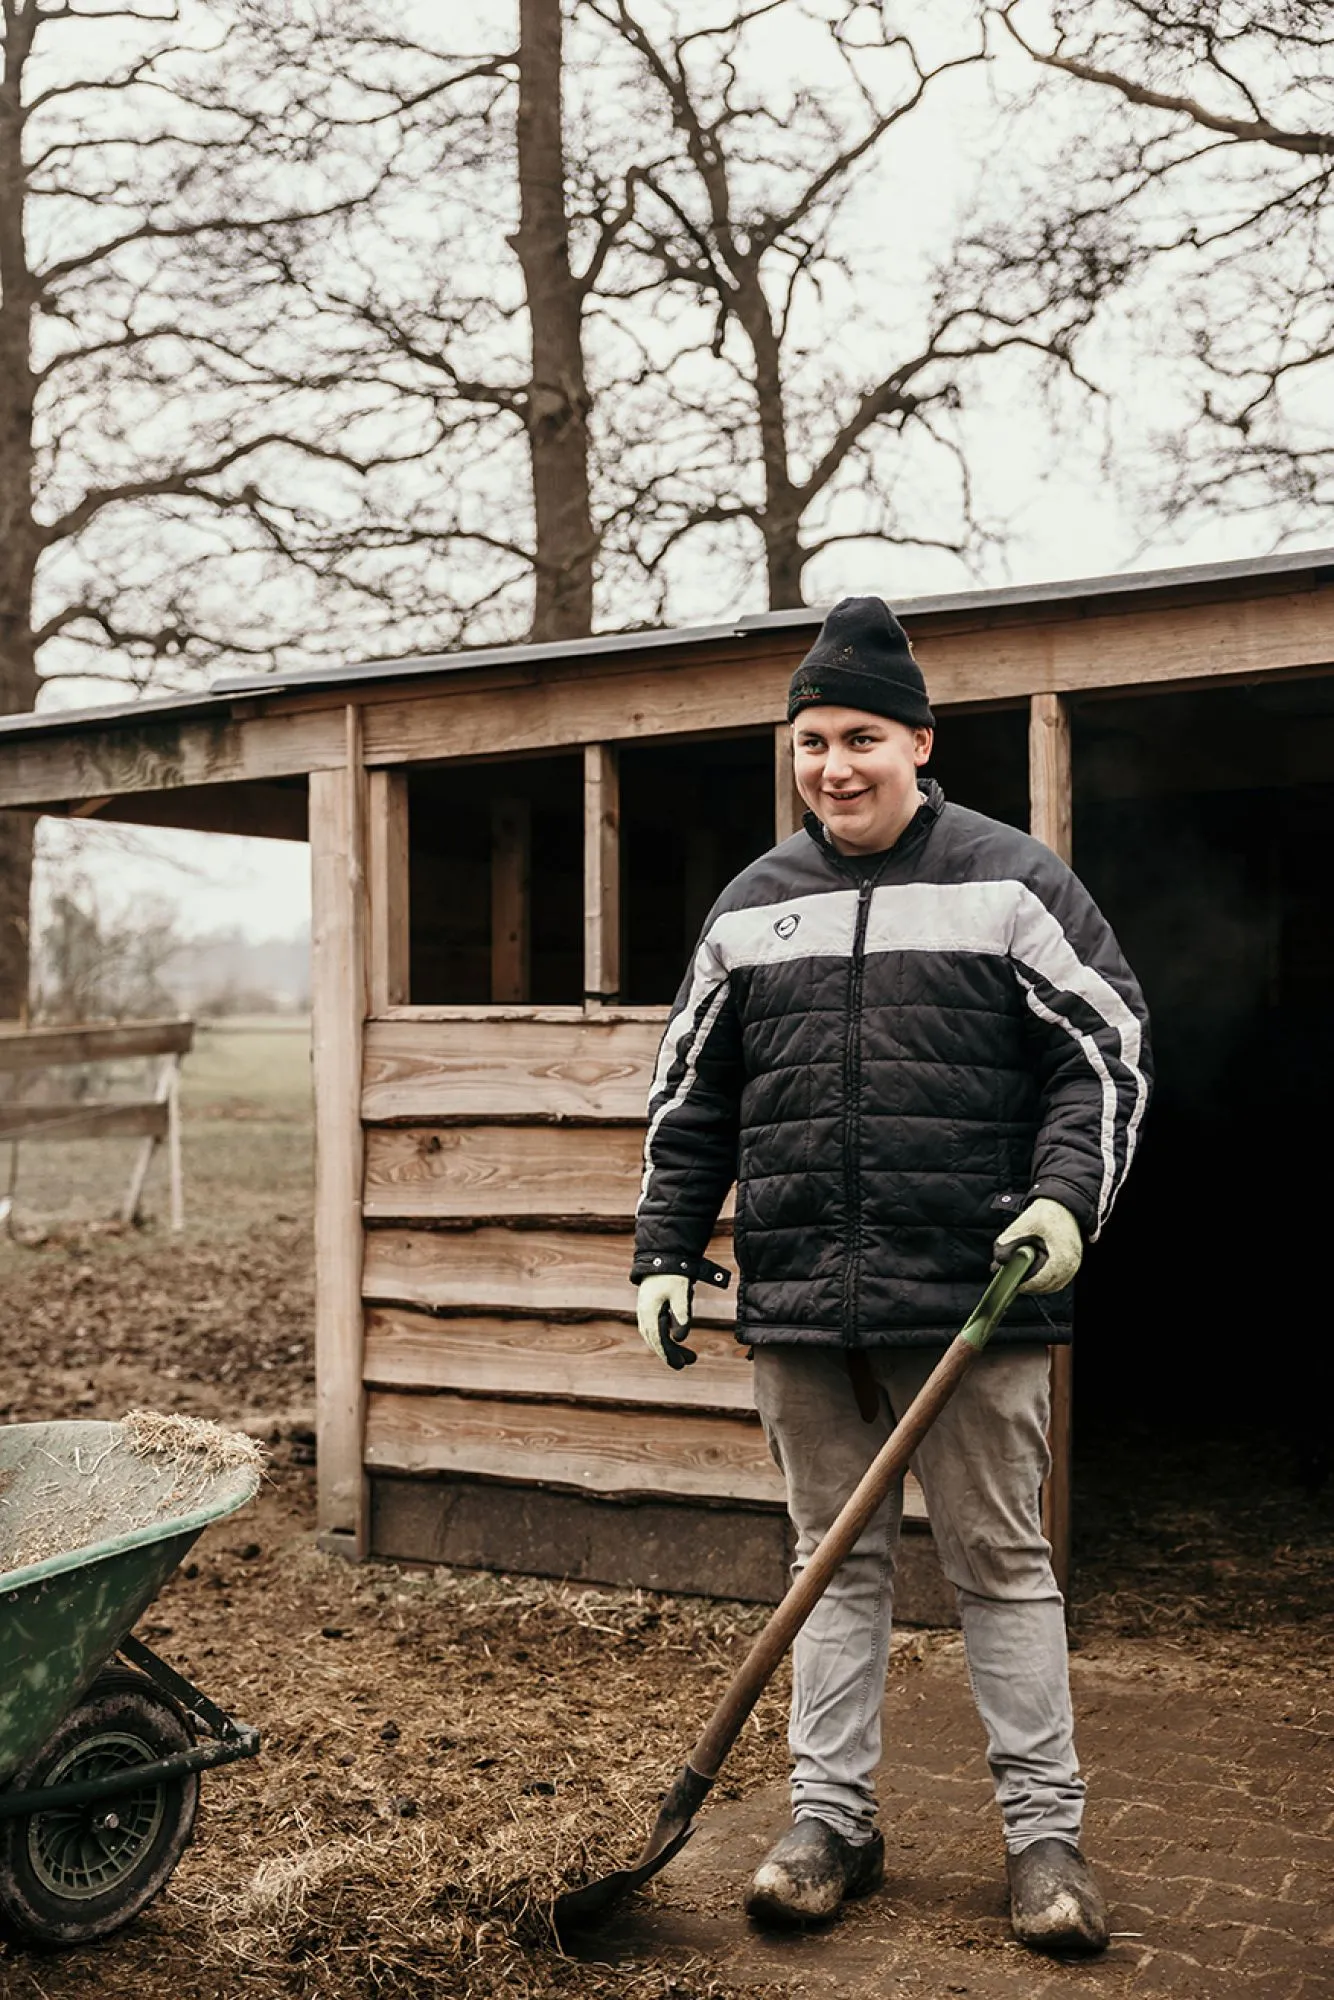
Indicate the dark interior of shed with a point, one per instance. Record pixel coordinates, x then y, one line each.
693 814
496 882
1203 824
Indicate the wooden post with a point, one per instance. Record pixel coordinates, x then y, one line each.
788 802
387 888
1051 820
602 874
134 1193
511 917
174 1145
338 1011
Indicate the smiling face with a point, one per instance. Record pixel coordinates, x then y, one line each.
858 773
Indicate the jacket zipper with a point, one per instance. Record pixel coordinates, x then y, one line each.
852 1046
852 1098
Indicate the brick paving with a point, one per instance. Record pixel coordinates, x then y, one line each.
1211 1821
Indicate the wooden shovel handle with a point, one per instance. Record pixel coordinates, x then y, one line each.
756 1670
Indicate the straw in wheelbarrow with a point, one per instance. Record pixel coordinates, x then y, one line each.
580 1909
150 1465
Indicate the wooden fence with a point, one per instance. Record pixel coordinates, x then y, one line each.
30 1053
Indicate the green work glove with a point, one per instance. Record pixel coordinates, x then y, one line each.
1059 1241
662 1306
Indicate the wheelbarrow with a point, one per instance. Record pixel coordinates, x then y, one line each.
101 1742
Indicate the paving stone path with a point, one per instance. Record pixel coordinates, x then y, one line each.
1211 1821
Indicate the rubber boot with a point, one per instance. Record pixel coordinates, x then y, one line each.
809 1872
1056 1905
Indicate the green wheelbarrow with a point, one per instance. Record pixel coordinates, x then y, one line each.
101 1742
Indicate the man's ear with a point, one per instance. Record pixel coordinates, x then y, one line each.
922 741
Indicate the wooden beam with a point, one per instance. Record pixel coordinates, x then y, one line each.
602 874
106 1041
678 1546
481 1172
144 1118
1051 820
106 760
263 811
387 888
511 912
338 1009
685 1455
1050 789
586 1361
788 802
689 693
519 1270
418 1071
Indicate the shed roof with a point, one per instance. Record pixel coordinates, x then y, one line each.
1311 568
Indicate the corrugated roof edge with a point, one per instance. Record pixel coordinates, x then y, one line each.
1122 583
1308 562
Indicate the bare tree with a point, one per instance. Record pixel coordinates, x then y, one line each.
460 290
1206 142
745 209
158 439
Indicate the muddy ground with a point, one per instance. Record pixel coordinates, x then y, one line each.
438 1744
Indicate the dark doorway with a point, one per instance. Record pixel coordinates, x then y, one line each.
1203 826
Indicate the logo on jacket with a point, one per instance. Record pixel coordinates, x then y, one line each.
786 925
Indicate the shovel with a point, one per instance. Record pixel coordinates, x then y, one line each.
581 1909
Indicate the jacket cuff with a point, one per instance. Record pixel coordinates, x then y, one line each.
1073 1198
670 1264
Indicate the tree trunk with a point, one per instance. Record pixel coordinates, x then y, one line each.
558 400
780 522
19 535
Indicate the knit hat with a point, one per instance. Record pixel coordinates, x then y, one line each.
862 659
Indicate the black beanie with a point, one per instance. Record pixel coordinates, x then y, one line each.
862 659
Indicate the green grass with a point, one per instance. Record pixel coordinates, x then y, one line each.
260 1062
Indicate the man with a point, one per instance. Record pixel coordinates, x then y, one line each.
905 1030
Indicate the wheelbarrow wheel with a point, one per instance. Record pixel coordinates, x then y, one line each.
78 1874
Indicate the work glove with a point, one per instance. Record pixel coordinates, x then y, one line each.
1059 1241
662 1306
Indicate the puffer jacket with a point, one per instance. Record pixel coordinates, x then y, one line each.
890 1057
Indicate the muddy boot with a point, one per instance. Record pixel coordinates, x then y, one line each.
807 1874
1055 1902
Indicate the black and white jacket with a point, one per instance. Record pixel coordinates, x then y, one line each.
890 1057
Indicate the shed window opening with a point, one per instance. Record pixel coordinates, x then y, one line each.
496 883
693 815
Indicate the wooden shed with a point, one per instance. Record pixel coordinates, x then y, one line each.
511 852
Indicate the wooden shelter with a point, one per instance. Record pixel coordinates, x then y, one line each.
511 852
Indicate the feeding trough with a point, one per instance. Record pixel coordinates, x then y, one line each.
101 1742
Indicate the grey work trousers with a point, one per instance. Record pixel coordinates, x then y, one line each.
981 1467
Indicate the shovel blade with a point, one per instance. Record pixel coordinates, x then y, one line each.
583 1909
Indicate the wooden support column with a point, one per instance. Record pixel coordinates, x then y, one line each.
1051 820
338 1012
788 802
602 874
511 912
387 888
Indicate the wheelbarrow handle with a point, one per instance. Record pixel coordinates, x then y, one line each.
752 1677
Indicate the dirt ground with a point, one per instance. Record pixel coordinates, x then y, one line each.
439 1747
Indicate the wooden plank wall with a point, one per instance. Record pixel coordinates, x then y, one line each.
502 1165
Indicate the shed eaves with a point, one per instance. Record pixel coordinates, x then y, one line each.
1314 566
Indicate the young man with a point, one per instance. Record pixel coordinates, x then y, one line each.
911 1039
